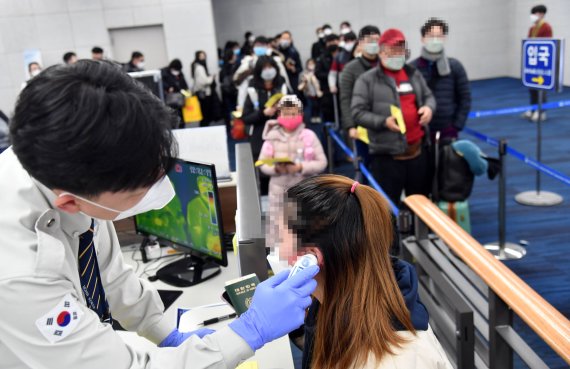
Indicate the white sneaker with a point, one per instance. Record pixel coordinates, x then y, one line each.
534 117
527 114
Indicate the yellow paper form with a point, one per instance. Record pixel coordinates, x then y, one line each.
248 365
363 134
273 100
272 161
397 113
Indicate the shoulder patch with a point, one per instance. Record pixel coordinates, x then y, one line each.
60 321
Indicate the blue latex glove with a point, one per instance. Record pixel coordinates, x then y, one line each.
278 307
176 338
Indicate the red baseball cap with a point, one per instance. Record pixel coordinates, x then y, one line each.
392 37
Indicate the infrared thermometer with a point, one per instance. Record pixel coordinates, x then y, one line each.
303 263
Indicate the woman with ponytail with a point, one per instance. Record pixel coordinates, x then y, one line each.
366 311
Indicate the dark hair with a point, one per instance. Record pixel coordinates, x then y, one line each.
287 32
96 50
331 37
368 30
175 64
262 61
89 128
136 55
345 23
350 36
326 25
67 56
434 22
261 40
198 61
247 34
230 45
538 9
33 63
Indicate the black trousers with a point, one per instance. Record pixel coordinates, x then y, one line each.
534 96
412 176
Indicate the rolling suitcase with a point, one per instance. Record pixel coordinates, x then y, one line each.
458 211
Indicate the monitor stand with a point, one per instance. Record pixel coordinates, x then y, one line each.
188 271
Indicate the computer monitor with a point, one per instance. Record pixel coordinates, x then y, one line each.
152 79
191 222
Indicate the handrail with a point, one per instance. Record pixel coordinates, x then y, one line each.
536 312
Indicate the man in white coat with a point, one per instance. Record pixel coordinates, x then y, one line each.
89 145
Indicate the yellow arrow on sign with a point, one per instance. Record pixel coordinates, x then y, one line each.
539 80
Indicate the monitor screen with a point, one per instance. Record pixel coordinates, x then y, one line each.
193 218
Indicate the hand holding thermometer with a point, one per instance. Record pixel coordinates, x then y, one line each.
304 262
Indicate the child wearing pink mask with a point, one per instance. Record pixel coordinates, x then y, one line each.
287 137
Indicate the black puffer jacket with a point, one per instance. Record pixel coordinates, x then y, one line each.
452 93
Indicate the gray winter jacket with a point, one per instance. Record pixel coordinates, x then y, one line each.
372 96
354 69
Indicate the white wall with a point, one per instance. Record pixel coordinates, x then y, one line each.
57 26
479 29
558 13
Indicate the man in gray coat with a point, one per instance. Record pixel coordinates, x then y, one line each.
398 148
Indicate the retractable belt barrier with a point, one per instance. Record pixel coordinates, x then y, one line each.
518 109
363 169
519 155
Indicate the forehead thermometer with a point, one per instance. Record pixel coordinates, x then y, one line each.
303 263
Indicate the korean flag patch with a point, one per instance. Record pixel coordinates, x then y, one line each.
61 320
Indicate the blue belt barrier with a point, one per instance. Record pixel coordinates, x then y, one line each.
364 171
522 157
518 109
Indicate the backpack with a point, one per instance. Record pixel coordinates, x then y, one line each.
453 179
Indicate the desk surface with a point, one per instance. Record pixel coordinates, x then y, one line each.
276 353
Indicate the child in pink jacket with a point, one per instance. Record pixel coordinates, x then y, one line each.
287 137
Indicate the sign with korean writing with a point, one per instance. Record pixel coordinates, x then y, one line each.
542 63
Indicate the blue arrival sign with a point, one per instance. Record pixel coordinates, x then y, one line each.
542 63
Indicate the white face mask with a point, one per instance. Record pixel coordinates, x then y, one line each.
371 48
157 197
175 72
349 46
327 31
140 65
35 72
534 18
268 74
345 30
434 45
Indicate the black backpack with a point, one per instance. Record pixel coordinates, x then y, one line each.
453 179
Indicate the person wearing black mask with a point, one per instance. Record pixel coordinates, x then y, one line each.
319 46
265 83
203 88
293 63
324 63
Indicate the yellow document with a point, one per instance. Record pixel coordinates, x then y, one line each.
272 161
363 134
248 365
397 113
273 100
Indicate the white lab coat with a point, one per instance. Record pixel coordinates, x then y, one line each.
38 267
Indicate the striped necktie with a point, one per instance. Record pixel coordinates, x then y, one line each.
90 277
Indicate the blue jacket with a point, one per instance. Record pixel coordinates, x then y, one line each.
452 93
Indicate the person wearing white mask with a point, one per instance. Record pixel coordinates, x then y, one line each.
399 155
292 59
173 81
345 28
539 28
136 64
345 55
96 149
368 44
447 78
34 68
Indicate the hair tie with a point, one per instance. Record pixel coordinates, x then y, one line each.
354 186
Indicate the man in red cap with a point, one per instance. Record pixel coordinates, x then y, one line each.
399 150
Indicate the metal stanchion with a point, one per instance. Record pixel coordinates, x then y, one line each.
330 147
503 250
356 163
538 197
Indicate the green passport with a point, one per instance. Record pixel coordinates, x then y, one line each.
240 291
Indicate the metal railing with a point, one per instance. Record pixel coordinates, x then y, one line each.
472 297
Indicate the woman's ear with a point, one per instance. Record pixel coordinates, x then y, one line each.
317 252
